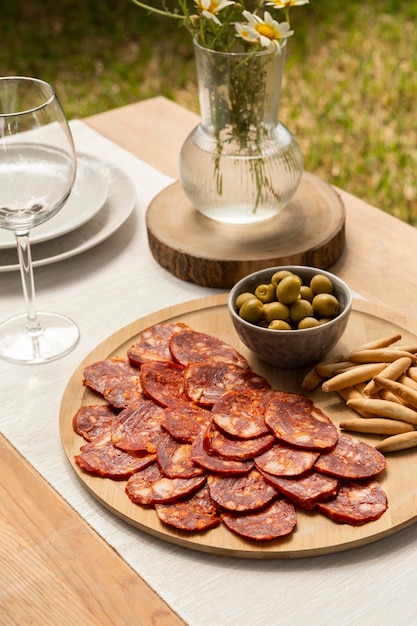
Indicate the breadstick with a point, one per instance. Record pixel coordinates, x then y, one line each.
393 371
408 395
384 408
380 354
314 377
326 370
398 442
388 395
406 348
383 342
353 376
311 380
407 381
376 425
349 393
412 373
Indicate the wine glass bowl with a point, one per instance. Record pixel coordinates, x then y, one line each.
37 173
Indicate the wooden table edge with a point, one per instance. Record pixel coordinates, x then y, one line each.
41 517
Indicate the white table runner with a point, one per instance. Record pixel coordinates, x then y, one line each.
102 290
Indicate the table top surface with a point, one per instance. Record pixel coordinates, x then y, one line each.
55 567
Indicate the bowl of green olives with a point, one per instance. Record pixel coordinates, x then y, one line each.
290 316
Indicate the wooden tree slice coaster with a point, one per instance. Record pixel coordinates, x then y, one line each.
309 231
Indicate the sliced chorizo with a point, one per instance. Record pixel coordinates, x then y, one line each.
356 503
295 420
241 493
277 519
196 513
307 490
184 420
282 460
139 429
153 343
217 442
351 459
242 413
190 346
101 457
216 464
174 459
93 420
150 487
163 382
205 383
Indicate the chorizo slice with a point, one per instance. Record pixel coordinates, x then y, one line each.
93 420
153 343
163 382
305 491
190 346
184 420
356 503
196 513
219 443
174 459
241 493
150 487
277 519
139 429
116 380
101 457
295 420
216 464
205 383
98 375
282 460
242 413
351 459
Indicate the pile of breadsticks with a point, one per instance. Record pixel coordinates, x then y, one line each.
378 380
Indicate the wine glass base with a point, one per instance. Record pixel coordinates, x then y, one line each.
58 336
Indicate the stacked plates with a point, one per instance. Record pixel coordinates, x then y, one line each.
101 200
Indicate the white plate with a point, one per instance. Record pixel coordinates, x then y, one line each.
87 197
120 201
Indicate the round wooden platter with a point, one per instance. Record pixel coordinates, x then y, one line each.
314 534
309 231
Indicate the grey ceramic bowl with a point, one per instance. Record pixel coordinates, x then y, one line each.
291 348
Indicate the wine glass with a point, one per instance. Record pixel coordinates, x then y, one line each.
37 172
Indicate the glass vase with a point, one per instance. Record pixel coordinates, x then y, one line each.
240 165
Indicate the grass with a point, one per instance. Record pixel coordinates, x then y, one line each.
349 90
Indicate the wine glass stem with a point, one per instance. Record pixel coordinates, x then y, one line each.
32 326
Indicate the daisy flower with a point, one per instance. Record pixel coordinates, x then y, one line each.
210 8
267 31
285 4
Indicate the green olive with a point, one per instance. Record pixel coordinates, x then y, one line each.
306 293
278 276
251 310
321 284
242 297
308 322
279 325
265 293
275 311
325 305
288 289
300 309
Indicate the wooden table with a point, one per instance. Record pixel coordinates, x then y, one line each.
40 580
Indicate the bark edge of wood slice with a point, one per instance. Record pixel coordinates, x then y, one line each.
309 231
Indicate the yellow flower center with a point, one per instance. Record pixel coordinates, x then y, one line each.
266 31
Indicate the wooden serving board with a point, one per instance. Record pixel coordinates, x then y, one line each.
314 533
309 231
